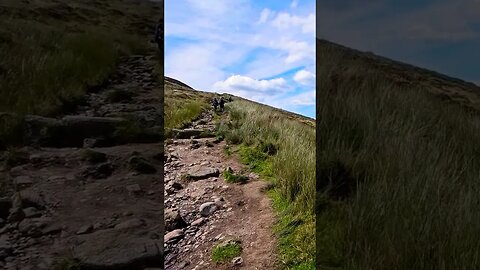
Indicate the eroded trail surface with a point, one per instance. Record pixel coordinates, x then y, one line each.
91 186
202 210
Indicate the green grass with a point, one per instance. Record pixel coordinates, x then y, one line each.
52 53
279 148
225 252
231 177
398 184
179 114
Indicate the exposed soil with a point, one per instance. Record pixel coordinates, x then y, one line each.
194 177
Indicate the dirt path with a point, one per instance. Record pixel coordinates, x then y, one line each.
80 194
238 211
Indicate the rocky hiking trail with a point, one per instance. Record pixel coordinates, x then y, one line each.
89 186
202 210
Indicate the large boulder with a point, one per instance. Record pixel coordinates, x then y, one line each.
43 130
201 172
111 250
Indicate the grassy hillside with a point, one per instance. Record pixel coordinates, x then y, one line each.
278 145
52 52
398 167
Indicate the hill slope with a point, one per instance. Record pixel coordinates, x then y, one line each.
269 143
398 165
81 131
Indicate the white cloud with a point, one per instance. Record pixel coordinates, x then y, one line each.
297 50
286 21
239 83
304 99
265 15
304 77
203 51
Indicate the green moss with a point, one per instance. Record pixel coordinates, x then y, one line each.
230 177
227 251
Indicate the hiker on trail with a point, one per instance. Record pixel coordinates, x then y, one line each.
215 104
221 103
159 34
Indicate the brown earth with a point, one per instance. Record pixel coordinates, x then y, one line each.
243 212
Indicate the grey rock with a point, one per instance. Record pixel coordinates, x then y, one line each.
52 229
192 133
198 222
200 172
85 229
237 261
208 208
99 171
28 198
23 181
173 236
31 212
43 130
108 250
141 165
173 220
32 227
92 125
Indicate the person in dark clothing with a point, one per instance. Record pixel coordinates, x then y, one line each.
215 104
159 34
221 103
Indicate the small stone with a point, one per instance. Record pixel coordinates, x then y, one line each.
23 181
52 229
90 143
216 238
237 261
127 213
31 212
174 235
173 220
198 222
208 208
85 229
141 165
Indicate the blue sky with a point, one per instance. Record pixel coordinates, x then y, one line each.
260 50
441 35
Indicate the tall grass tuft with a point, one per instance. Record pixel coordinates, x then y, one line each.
48 68
283 150
180 113
408 166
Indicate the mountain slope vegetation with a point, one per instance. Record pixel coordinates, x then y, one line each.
52 53
277 145
398 162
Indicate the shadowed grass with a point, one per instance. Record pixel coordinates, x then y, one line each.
408 170
52 53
